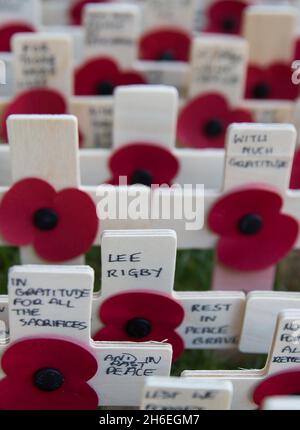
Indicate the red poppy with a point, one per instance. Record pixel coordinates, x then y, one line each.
34 101
295 177
225 16
143 163
297 50
271 83
165 44
8 30
281 384
204 120
76 10
60 226
141 317
47 374
100 76
254 233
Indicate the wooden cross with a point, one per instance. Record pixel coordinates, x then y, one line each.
55 303
284 356
255 154
270 31
161 393
54 142
111 31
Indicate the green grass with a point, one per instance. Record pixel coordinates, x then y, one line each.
193 273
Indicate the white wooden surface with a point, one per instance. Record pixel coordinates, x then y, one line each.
259 153
55 12
262 309
46 147
4 323
283 356
112 30
145 113
270 111
35 299
282 403
28 11
184 394
43 60
218 65
166 13
173 73
95 119
270 31
126 253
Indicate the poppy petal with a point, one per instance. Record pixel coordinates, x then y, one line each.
295 177
7 31
225 16
271 83
34 101
159 161
165 44
23 359
280 384
131 78
18 206
97 76
163 314
229 209
91 73
275 237
197 117
76 229
263 251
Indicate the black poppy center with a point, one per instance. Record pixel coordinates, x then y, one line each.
214 128
229 24
45 219
167 55
48 379
138 328
261 90
105 88
250 224
142 177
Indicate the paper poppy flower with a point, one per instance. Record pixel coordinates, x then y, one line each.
204 120
141 317
295 177
165 45
225 16
100 76
60 226
271 83
280 384
254 234
34 101
76 10
8 30
47 374
143 163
